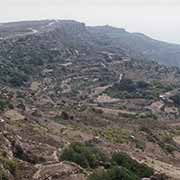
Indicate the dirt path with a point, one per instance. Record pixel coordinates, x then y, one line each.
41 167
115 111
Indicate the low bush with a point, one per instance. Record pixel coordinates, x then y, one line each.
85 155
129 89
141 170
114 135
3 175
120 167
5 104
140 144
114 173
18 79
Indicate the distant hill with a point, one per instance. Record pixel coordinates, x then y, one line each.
74 34
137 45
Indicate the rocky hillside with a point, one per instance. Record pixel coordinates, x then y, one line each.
76 103
138 45
104 37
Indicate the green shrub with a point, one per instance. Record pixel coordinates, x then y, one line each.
114 173
3 175
140 144
86 155
115 135
18 79
124 160
5 104
137 89
58 119
170 148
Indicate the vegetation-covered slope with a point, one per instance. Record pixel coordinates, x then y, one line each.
74 105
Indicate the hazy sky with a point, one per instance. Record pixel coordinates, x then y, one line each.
158 18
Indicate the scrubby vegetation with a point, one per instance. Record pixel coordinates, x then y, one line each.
5 104
18 79
141 170
86 155
137 89
162 138
140 144
120 166
114 135
114 173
